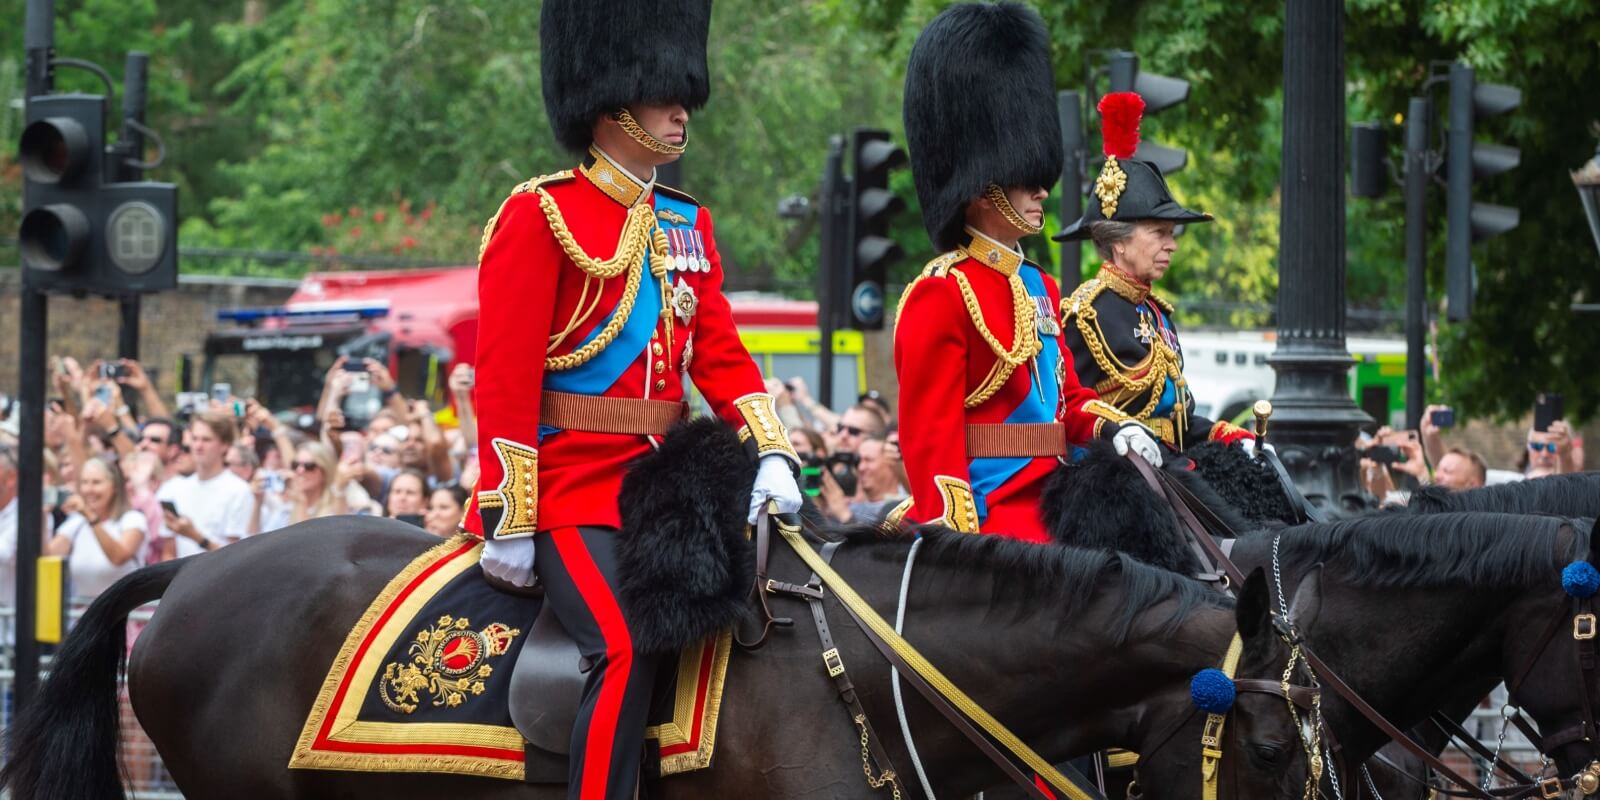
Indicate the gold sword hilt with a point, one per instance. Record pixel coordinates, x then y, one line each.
1263 411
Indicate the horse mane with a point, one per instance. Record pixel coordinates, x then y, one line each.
1051 577
1576 494
1438 550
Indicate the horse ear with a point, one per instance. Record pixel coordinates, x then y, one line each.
1253 610
1307 599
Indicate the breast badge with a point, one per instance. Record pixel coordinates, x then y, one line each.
684 301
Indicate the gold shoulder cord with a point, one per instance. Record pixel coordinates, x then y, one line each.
639 236
1025 337
1162 363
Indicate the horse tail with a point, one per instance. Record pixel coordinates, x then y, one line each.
65 742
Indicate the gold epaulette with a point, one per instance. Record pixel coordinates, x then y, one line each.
938 267
1081 298
521 188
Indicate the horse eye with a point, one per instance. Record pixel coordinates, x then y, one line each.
1266 754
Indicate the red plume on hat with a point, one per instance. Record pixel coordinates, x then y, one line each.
1120 113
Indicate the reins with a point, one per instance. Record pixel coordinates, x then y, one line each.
968 717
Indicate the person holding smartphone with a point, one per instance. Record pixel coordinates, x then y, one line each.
212 506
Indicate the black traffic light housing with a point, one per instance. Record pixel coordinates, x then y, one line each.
82 233
1465 161
1159 92
869 249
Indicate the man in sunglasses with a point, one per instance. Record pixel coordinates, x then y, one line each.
989 402
858 423
1549 451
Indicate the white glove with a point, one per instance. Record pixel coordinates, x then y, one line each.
774 481
1132 436
1249 446
510 560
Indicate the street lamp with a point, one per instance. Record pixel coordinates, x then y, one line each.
1587 179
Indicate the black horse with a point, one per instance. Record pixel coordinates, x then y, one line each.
1573 495
1075 650
1424 613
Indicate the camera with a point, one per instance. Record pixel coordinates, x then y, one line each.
1383 454
842 465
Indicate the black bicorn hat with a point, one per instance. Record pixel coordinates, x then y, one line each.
1128 189
598 56
979 110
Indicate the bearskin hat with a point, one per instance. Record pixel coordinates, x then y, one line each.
598 56
979 109
1143 193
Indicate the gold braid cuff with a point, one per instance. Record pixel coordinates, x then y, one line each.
637 133
960 509
518 493
761 422
1104 412
997 196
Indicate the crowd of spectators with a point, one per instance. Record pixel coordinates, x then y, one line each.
1396 462
132 480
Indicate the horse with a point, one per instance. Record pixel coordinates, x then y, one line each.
1076 650
1575 494
1419 613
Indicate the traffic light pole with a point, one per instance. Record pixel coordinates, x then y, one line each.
1418 170
33 317
831 276
1070 110
127 168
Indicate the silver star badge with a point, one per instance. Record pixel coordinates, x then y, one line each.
684 302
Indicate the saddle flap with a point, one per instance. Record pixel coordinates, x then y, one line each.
546 684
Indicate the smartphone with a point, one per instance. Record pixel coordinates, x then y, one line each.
1443 418
355 365
103 393
273 481
1546 409
170 508
220 392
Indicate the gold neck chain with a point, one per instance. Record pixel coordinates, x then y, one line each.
997 196
637 132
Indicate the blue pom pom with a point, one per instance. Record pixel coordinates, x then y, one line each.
1212 691
1580 579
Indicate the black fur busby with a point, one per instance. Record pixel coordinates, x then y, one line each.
686 561
1100 501
598 56
979 109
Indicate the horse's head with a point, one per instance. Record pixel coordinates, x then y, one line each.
1271 743
1553 667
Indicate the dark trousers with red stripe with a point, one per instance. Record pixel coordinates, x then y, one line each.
578 567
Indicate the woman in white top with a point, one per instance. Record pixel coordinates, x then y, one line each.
321 486
102 535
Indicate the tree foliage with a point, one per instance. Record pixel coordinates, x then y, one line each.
281 118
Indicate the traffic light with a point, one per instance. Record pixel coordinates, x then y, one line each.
868 247
1159 92
81 233
1466 160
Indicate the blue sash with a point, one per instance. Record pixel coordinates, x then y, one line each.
1038 405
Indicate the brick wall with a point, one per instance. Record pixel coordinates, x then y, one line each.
170 324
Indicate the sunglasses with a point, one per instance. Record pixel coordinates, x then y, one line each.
1548 447
386 450
850 429
305 466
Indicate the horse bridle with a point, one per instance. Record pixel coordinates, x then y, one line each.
1189 512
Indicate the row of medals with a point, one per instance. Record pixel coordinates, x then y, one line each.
687 250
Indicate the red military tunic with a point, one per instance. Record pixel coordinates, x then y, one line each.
568 305
951 376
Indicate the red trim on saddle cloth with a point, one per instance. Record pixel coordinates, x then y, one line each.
323 740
